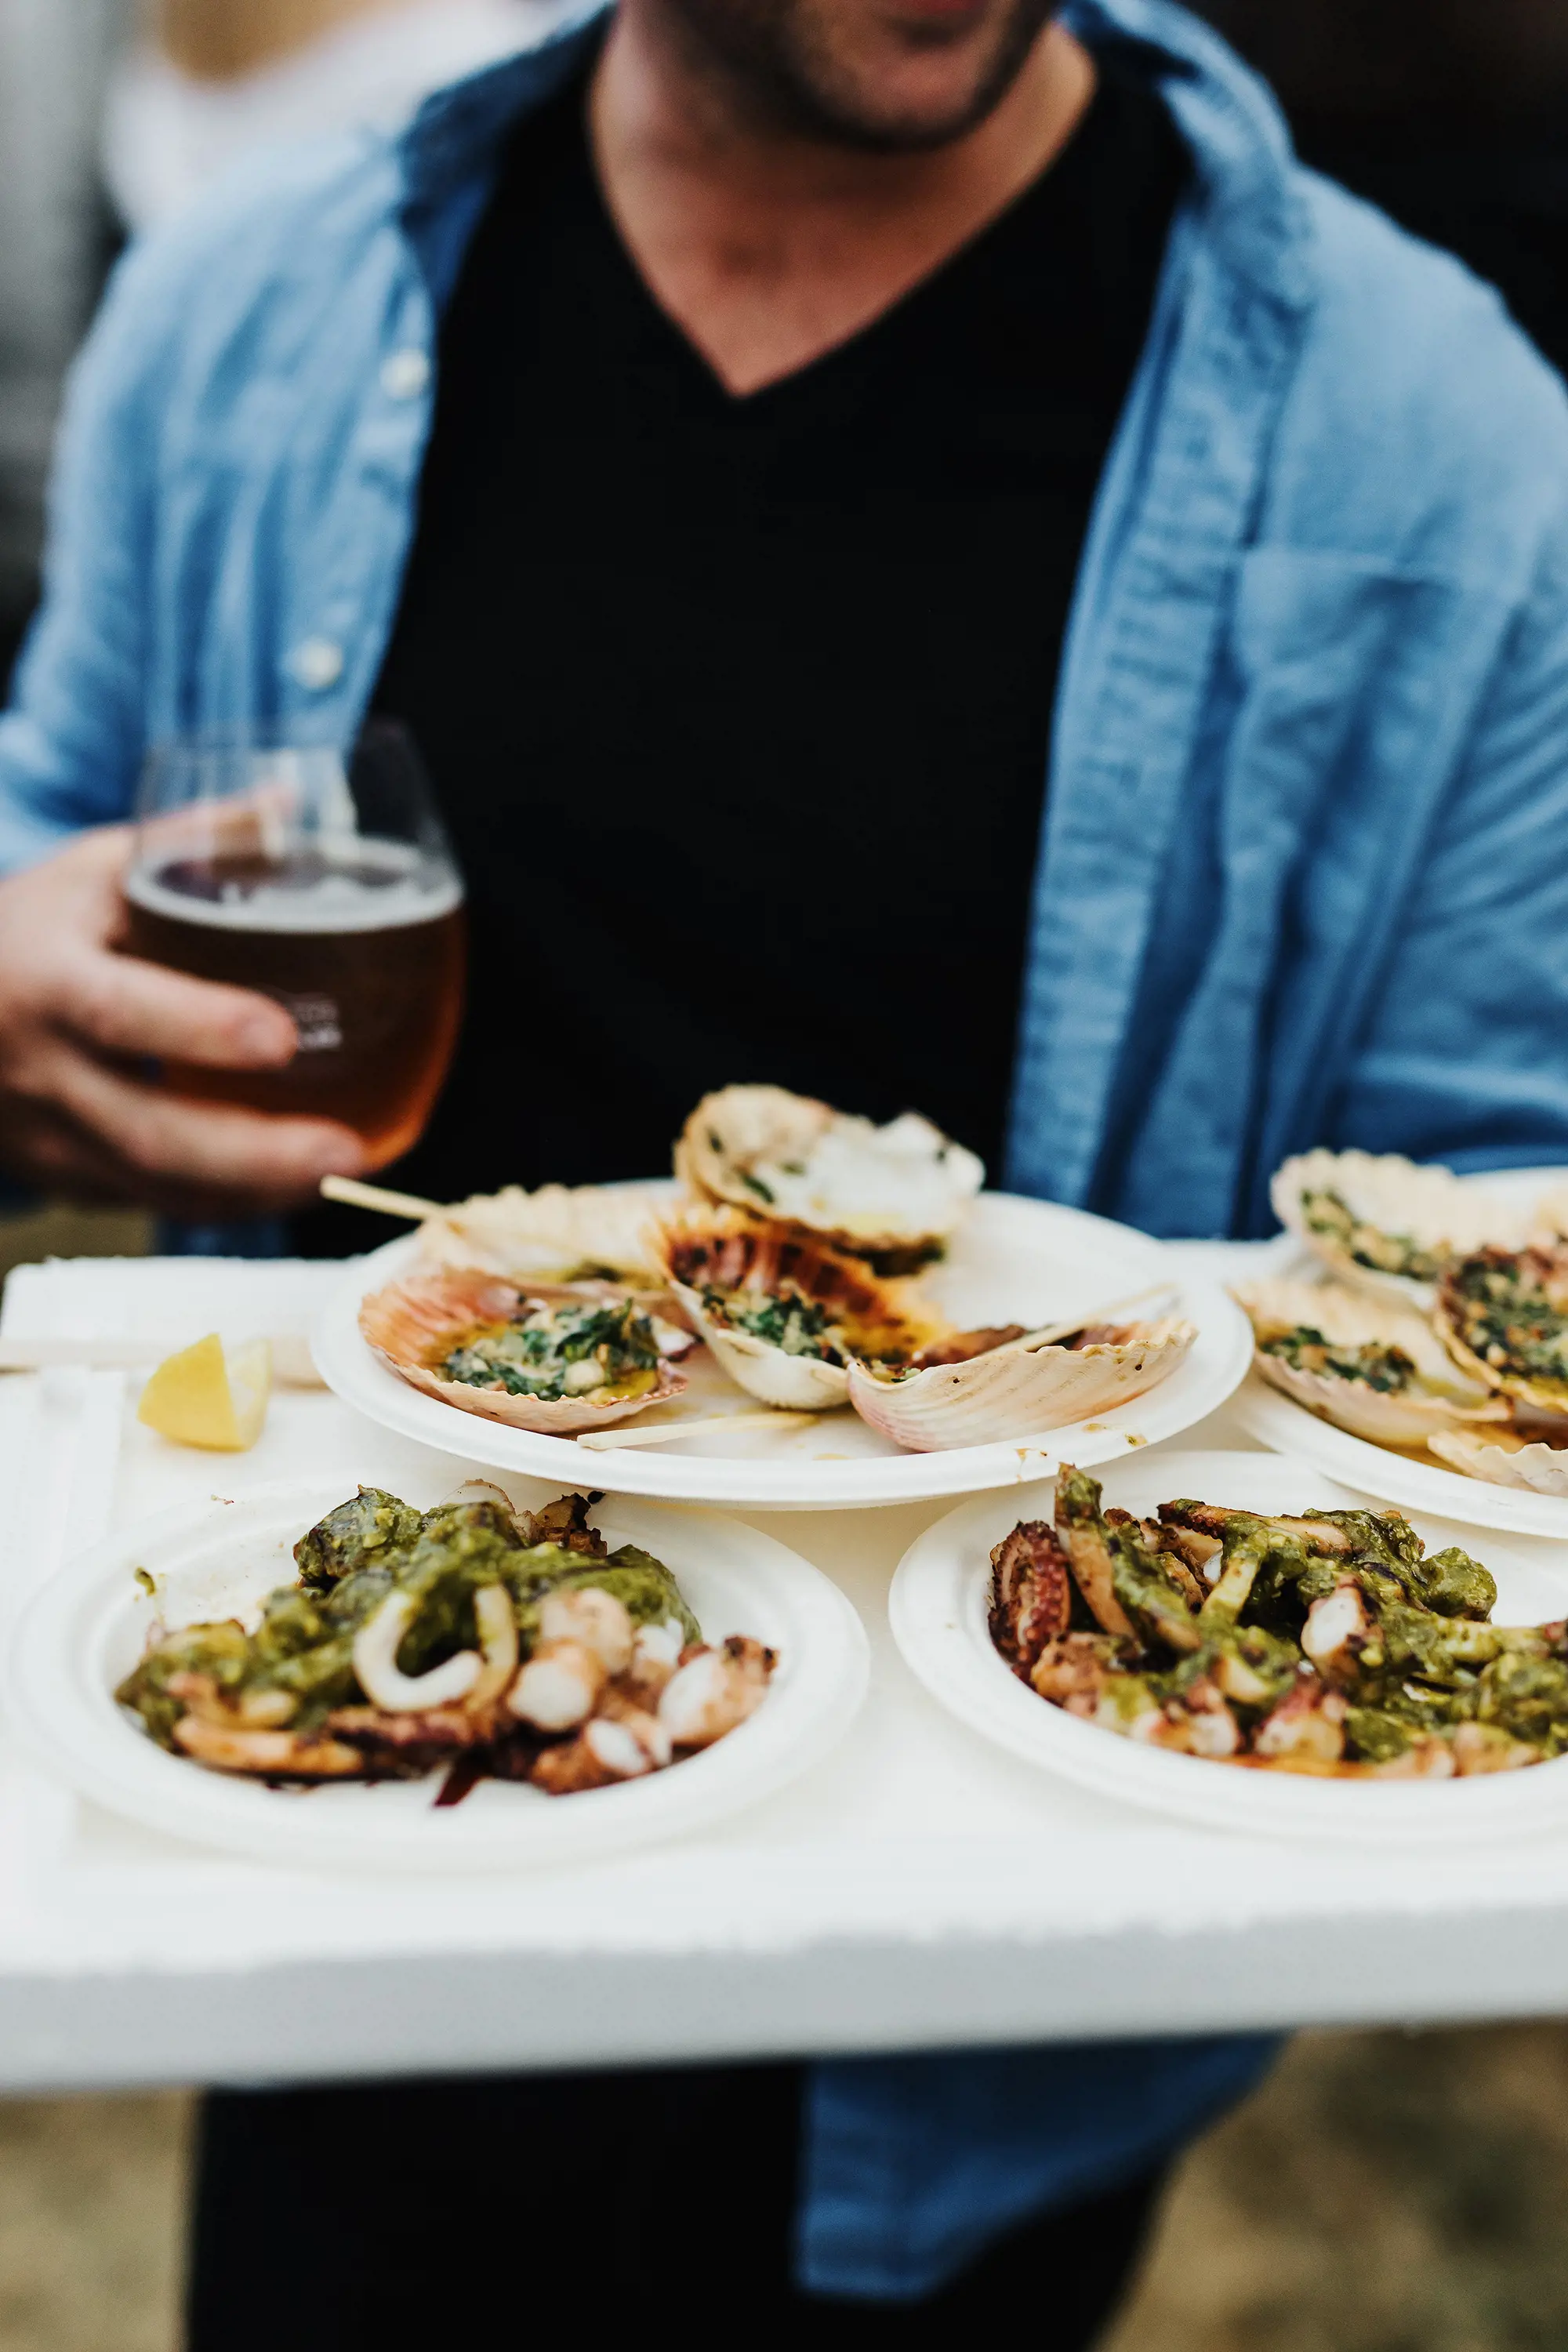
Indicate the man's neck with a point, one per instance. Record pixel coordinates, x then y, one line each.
768 246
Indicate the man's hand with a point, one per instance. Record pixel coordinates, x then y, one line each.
75 1020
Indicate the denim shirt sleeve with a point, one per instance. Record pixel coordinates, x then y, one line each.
71 741
912 2166
1466 1058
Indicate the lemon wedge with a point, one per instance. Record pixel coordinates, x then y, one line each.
210 1396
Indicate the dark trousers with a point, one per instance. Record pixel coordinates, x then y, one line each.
408 2214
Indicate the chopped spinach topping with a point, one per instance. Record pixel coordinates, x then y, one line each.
785 1319
550 1352
1388 1369
1505 1314
1326 1213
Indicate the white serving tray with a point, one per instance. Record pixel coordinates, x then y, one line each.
939 1607
87 1626
1015 1261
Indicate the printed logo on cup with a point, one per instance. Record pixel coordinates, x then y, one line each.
317 1019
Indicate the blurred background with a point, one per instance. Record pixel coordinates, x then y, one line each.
1384 2192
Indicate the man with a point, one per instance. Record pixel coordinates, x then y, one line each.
753 445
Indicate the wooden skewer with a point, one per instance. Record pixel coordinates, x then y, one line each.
611 1441
356 1195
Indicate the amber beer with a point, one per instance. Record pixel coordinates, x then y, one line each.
364 949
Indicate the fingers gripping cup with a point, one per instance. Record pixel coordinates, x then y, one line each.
325 883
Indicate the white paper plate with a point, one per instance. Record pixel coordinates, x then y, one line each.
1015 1261
939 1605
1276 1420
87 1626
1279 1421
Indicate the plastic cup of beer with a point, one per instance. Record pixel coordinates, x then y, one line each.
321 880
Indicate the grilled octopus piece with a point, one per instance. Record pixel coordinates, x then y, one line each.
1072 1671
1082 1534
1215 1521
414 1740
1031 1594
565 1522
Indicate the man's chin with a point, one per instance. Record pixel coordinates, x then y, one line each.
927 101
922 76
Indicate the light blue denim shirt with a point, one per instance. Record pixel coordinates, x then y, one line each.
1305 865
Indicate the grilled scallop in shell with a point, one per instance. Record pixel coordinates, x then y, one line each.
1022 1388
1502 1314
781 1312
1504 1458
560 1234
1386 1226
493 1349
894 1195
1368 1365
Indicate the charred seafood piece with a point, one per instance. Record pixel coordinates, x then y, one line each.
1368 1365
1329 1643
1386 1226
1503 1316
552 1358
783 1313
560 1234
987 1388
893 1195
473 1638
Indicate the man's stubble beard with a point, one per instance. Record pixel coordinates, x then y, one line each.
778 57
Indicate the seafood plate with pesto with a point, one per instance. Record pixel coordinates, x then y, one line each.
1326 1642
409 1677
853 1278
474 1639
1357 1671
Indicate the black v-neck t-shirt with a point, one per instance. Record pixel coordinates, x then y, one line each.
739 710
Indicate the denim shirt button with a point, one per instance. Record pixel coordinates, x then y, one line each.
405 374
318 664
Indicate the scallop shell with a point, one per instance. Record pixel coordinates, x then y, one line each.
1550 1262
413 1325
893 1193
1020 1390
1349 1318
1504 1461
1427 1206
726 1248
548 1236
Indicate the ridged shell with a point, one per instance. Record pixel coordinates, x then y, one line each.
1428 1207
415 1324
725 1249
1503 1461
894 1193
1021 1389
1549 1264
1349 1318
546 1235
